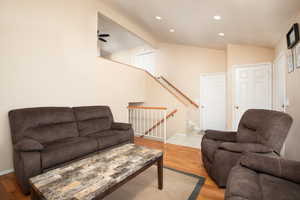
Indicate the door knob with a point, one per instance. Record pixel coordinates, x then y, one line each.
202 106
237 107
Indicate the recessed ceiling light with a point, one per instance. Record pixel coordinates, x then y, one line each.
172 30
158 18
222 34
217 17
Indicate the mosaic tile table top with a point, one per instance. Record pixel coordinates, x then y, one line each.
85 179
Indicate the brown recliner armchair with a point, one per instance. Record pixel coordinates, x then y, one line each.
259 131
261 177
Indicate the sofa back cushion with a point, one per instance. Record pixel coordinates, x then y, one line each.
46 124
92 119
265 127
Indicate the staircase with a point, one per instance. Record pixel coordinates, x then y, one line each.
151 122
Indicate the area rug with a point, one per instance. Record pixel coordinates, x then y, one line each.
177 186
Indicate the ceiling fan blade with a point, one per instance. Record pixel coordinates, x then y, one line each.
103 35
102 40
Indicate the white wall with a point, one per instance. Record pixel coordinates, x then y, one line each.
292 87
49 58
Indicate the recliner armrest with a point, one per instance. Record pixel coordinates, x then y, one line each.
28 145
226 136
245 147
120 126
275 166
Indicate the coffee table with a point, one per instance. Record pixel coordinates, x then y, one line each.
98 175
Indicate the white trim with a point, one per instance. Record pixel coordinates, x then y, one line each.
6 172
276 83
234 85
251 65
213 73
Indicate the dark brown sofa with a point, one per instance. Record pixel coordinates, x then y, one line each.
45 138
260 177
259 131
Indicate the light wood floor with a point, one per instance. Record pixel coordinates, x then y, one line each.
178 157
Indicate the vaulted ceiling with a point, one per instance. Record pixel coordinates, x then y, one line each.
254 22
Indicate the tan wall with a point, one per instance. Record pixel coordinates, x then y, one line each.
242 55
156 95
49 58
292 148
182 65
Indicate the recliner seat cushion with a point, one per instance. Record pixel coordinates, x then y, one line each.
93 119
66 150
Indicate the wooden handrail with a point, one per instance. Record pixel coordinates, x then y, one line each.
179 91
147 108
162 85
171 114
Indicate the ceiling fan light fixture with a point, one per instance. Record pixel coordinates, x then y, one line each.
221 34
158 17
172 30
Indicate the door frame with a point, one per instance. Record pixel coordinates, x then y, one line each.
201 92
234 86
276 83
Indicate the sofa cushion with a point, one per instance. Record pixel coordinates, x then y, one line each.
52 132
66 150
93 119
110 138
278 188
45 125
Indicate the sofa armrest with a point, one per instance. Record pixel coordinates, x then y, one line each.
120 126
226 136
275 166
245 147
28 145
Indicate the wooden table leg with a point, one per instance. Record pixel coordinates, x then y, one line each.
33 195
160 173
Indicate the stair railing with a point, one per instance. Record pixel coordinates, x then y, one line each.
149 121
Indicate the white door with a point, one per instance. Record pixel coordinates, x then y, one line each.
252 89
146 61
280 65
213 101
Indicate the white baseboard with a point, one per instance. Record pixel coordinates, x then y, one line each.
6 172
